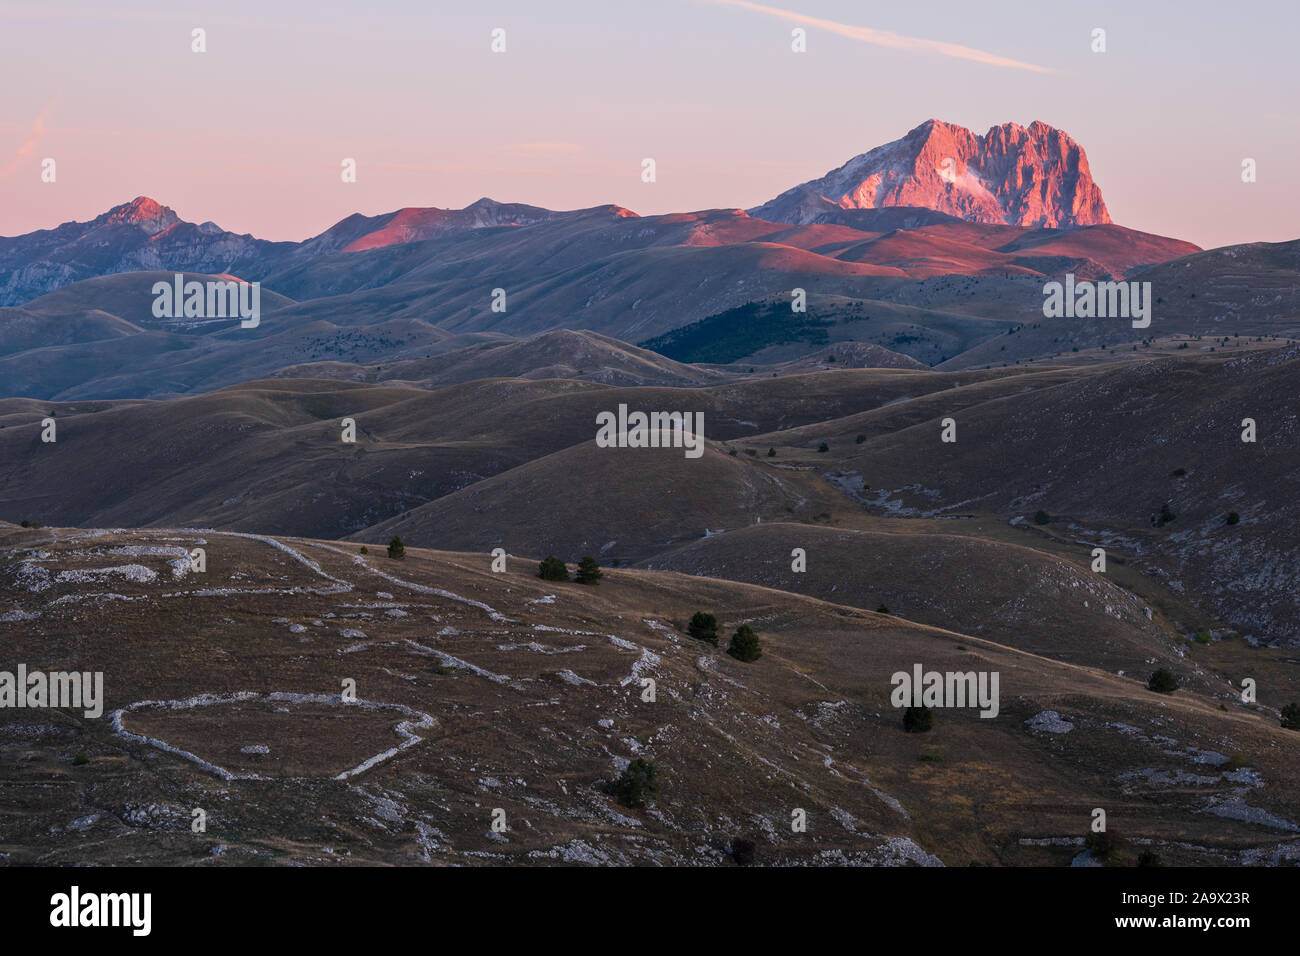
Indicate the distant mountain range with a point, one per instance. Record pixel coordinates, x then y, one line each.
1035 178
912 258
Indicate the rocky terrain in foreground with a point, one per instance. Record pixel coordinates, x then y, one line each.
478 692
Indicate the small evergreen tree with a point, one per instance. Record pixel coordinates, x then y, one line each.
917 720
744 645
552 568
364 549
742 851
771 453
396 549
860 439
588 571
636 786
883 609
1041 517
823 448
703 627
1163 681
1291 716
1233 517
1107 846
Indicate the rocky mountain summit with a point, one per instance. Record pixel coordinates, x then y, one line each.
1012 175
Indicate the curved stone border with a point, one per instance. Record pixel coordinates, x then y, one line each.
404 728
492 612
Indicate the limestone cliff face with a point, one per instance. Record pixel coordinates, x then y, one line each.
1013 175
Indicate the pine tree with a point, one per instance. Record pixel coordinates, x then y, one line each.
1291 716
1163 681
742 851
744 645
636 786
552 569
588 571
1107 846
704 627
396 549
917 720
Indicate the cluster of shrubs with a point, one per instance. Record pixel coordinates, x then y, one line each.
553 569
744 644
550 569
1111 848
396 549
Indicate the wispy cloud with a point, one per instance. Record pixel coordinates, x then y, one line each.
893 40
28 146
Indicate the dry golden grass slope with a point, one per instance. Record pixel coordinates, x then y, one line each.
268 455
1014 595
613 503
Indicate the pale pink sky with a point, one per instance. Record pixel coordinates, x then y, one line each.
251 133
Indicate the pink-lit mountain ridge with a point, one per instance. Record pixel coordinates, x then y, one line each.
1033 177
1012 175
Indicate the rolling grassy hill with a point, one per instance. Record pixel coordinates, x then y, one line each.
481 693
